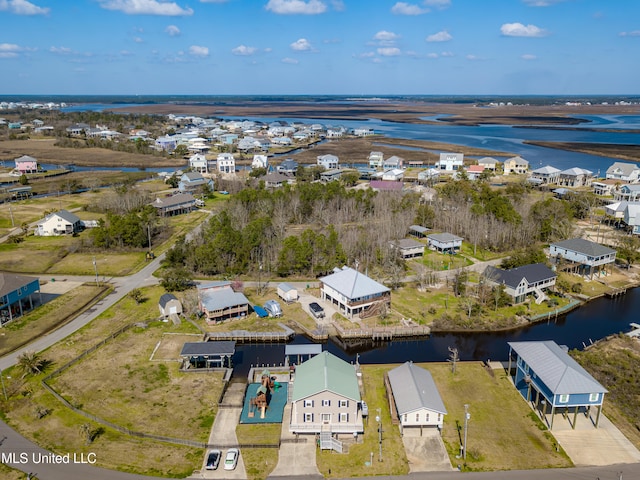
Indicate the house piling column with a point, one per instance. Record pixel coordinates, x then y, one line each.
553 411
575 417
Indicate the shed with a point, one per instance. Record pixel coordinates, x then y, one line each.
169 305
418 231
287 292
261 312
208 354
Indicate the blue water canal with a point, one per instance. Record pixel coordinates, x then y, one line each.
589 323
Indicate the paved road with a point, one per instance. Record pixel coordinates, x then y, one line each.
122 286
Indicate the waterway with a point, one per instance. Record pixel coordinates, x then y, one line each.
581 327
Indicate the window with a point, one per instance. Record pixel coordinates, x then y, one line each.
563 398
426 417
343 403
439 417
405 418
594 397
308 417
417 417
326 417
326 403
344 418
308 403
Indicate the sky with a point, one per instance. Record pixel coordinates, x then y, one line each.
319 47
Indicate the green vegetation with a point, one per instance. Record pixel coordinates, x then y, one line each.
259 462
615 364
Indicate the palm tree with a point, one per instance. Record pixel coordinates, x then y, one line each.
30 362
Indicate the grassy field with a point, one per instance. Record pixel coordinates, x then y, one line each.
615 363
353 463
47 317
259 462
119 383
8 473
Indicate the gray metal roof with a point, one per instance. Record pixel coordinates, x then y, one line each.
10 282
68 216
305 349
586 247
555 368
178 199
197 349
413 388
353 284
407 243
285 287
214 300
533 273
419 229
444 237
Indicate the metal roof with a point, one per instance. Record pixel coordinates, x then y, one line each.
407 243
413 388
353 284
68 216
533 273
285 287
178 199
220 299
199 349
304 349
546 170
444 237
325 372
586 247
555 368
419 229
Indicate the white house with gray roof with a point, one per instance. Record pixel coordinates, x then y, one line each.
416 397
546 174
583 257
625 172
325 397
630 193
575 177
554 382
59 223
353 292
522 281
444 242
408 247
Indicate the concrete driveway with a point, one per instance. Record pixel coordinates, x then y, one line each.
223 433
425 453
590 446
297 459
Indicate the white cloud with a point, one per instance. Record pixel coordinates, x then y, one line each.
146 7
633 33
447 54
289 60
172 30
473 58
301 45
442 36
528 56
389 51
22 7
296 7
9 50
519 30
404 8
432 55
61 50
138 39
338 5
198 51
243 50
384 36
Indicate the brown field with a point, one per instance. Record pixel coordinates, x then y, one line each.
623 152
404 112
46 152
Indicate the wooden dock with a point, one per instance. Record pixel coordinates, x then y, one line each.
245 336
635 333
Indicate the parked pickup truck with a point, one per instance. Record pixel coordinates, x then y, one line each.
316 310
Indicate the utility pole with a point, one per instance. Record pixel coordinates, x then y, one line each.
467 416
11 213
379 420
95 268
